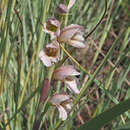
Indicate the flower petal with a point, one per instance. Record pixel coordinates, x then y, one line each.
68 32
50 54
64 71
72 86
59 98
76 44
52 26
78 37
71 3
62 112
68 106
52 34
45 59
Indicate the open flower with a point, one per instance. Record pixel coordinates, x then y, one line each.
52 26
73 35
63 102
66 74
50 54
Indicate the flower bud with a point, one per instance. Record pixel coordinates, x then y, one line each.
45 90
62 9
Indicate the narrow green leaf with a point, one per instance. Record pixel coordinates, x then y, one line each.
124 127
106 116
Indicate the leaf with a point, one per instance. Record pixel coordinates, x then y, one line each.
124 127
99 121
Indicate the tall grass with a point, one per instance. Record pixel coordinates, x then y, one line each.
105 92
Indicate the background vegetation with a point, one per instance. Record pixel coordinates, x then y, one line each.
106 57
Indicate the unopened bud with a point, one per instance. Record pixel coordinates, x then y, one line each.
62 9
45 90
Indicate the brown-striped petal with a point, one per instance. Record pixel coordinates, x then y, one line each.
68 32
72 86
52 26
62 112
77 44
64 71
57 99
50 54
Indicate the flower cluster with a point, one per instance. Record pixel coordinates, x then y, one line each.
72 35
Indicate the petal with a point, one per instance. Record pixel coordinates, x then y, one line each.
54 59
72 86
77 44
45 59
68 106
59 98
52 27
62 112
52 34
57 58
78 37
54 44
52 24
71 3
64 71
68 32
71 26
67 35
44 29
51 53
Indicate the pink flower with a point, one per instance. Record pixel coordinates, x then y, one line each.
63 102
52 26
66 74
50 54
73 35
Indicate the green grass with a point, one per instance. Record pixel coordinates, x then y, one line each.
106 58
